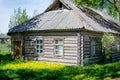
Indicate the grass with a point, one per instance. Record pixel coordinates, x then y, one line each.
14 69
4 46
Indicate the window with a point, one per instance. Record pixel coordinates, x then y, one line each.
60 5
93 47
118 46
58 47
39 46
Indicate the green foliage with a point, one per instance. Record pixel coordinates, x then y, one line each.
85 61
8 43
107 42
19 16
111 6
33 70
5 46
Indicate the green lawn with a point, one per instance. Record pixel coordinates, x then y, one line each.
5 46
13 69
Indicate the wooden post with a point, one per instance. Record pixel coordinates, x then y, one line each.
81 48
78 49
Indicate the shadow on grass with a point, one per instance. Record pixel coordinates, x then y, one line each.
4 59
66 73
92 72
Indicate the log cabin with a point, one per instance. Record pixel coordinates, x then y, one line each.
65 33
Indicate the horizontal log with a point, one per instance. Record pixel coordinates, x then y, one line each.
70 42
29 47
71 57
86 53
48 48
48 44
48 39
70 51
73 49
72 38
70 54
73 45
58 60
64 57
48 53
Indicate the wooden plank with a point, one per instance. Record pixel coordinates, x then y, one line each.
70 42
48 42
48 39
71 38
70 48
48 48
74 45
29 46
70 54
48 45
58 60
70 51
71 57
48 53
64 57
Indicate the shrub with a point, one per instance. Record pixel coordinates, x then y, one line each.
35 70
107 43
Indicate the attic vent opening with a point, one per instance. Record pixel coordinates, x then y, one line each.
60 5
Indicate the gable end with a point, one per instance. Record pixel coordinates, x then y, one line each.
57 5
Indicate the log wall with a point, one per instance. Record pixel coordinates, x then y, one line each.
115 52
87 48
70 48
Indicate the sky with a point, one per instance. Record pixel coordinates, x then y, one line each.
7 8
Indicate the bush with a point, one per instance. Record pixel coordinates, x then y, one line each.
15 69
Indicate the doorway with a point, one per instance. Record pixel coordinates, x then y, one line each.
17 49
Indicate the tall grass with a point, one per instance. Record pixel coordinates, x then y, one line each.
35 70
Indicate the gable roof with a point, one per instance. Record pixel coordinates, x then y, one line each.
73 18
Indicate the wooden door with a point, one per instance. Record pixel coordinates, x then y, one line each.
17 49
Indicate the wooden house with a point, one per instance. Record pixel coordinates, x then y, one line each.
64 33
4 38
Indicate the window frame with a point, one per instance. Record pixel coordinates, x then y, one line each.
92 47
58 45
39 44
118 46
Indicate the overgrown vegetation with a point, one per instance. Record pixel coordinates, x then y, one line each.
112 7
108 41
13 69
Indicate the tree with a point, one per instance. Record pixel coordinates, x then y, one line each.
19 16
107 43
111 6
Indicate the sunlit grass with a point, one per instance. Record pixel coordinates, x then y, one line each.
15 69
5 52
33 65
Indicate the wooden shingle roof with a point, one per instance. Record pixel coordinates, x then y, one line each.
73 18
